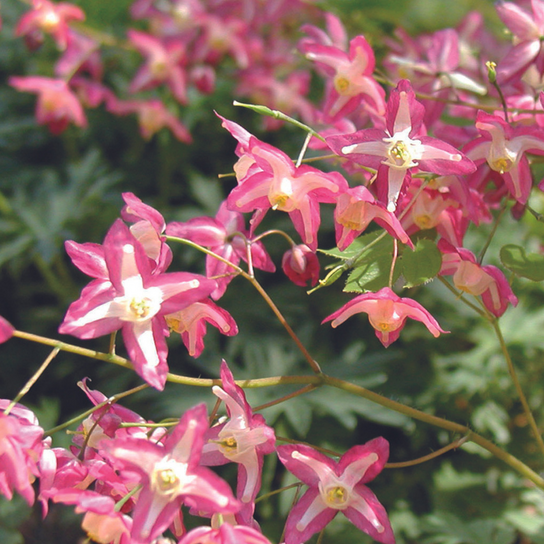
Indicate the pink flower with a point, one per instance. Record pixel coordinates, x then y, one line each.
527 29
135 300
20 449
225 534
337 487
355 209
163 64
51 18
152 117
301 265
387 313
190 323
351 76
226 235
503 147
470 277
273 181
402 146
244 439
57 105
171 476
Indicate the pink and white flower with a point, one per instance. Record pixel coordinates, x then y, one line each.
337 487
134 300
387 313
171 475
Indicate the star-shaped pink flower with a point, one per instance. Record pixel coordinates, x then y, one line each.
337 487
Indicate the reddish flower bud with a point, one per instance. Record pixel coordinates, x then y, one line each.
301 265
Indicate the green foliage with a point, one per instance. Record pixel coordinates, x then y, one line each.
516 259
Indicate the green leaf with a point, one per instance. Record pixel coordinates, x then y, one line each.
422 264
529 266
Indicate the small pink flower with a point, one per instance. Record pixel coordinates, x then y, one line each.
190 323
134 300
337 487
470 277
401 147
152 117
387 313
225 534
163 64
171 476
226 235
57 105
274 182
301 265
355 209
51 18
503 148
20 449
244 439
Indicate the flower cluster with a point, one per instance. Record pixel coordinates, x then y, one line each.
395 175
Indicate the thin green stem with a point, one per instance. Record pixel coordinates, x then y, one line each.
511 369
80 417
459 296
313 363
433 455
305 389
504 456
32 380
491 234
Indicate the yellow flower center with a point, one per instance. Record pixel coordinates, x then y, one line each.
502 164
342 85
424 221
140 307
337 496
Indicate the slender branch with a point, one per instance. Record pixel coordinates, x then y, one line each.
434 454
305 389
491 234
511 369
504 456
313 363
82 416
459 296
32 380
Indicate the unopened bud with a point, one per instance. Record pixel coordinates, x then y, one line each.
491 71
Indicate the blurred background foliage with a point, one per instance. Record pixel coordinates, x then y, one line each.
68 187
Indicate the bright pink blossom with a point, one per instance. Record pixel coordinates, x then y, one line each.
226 235
191 322
337 487
171 476
401 147
225 534
350 74
244 439
527 28
51 18
470 277
387 313
355 209
135 300
272 181
163 64
20 449
57 105
503 147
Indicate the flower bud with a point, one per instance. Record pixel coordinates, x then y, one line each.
301 265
